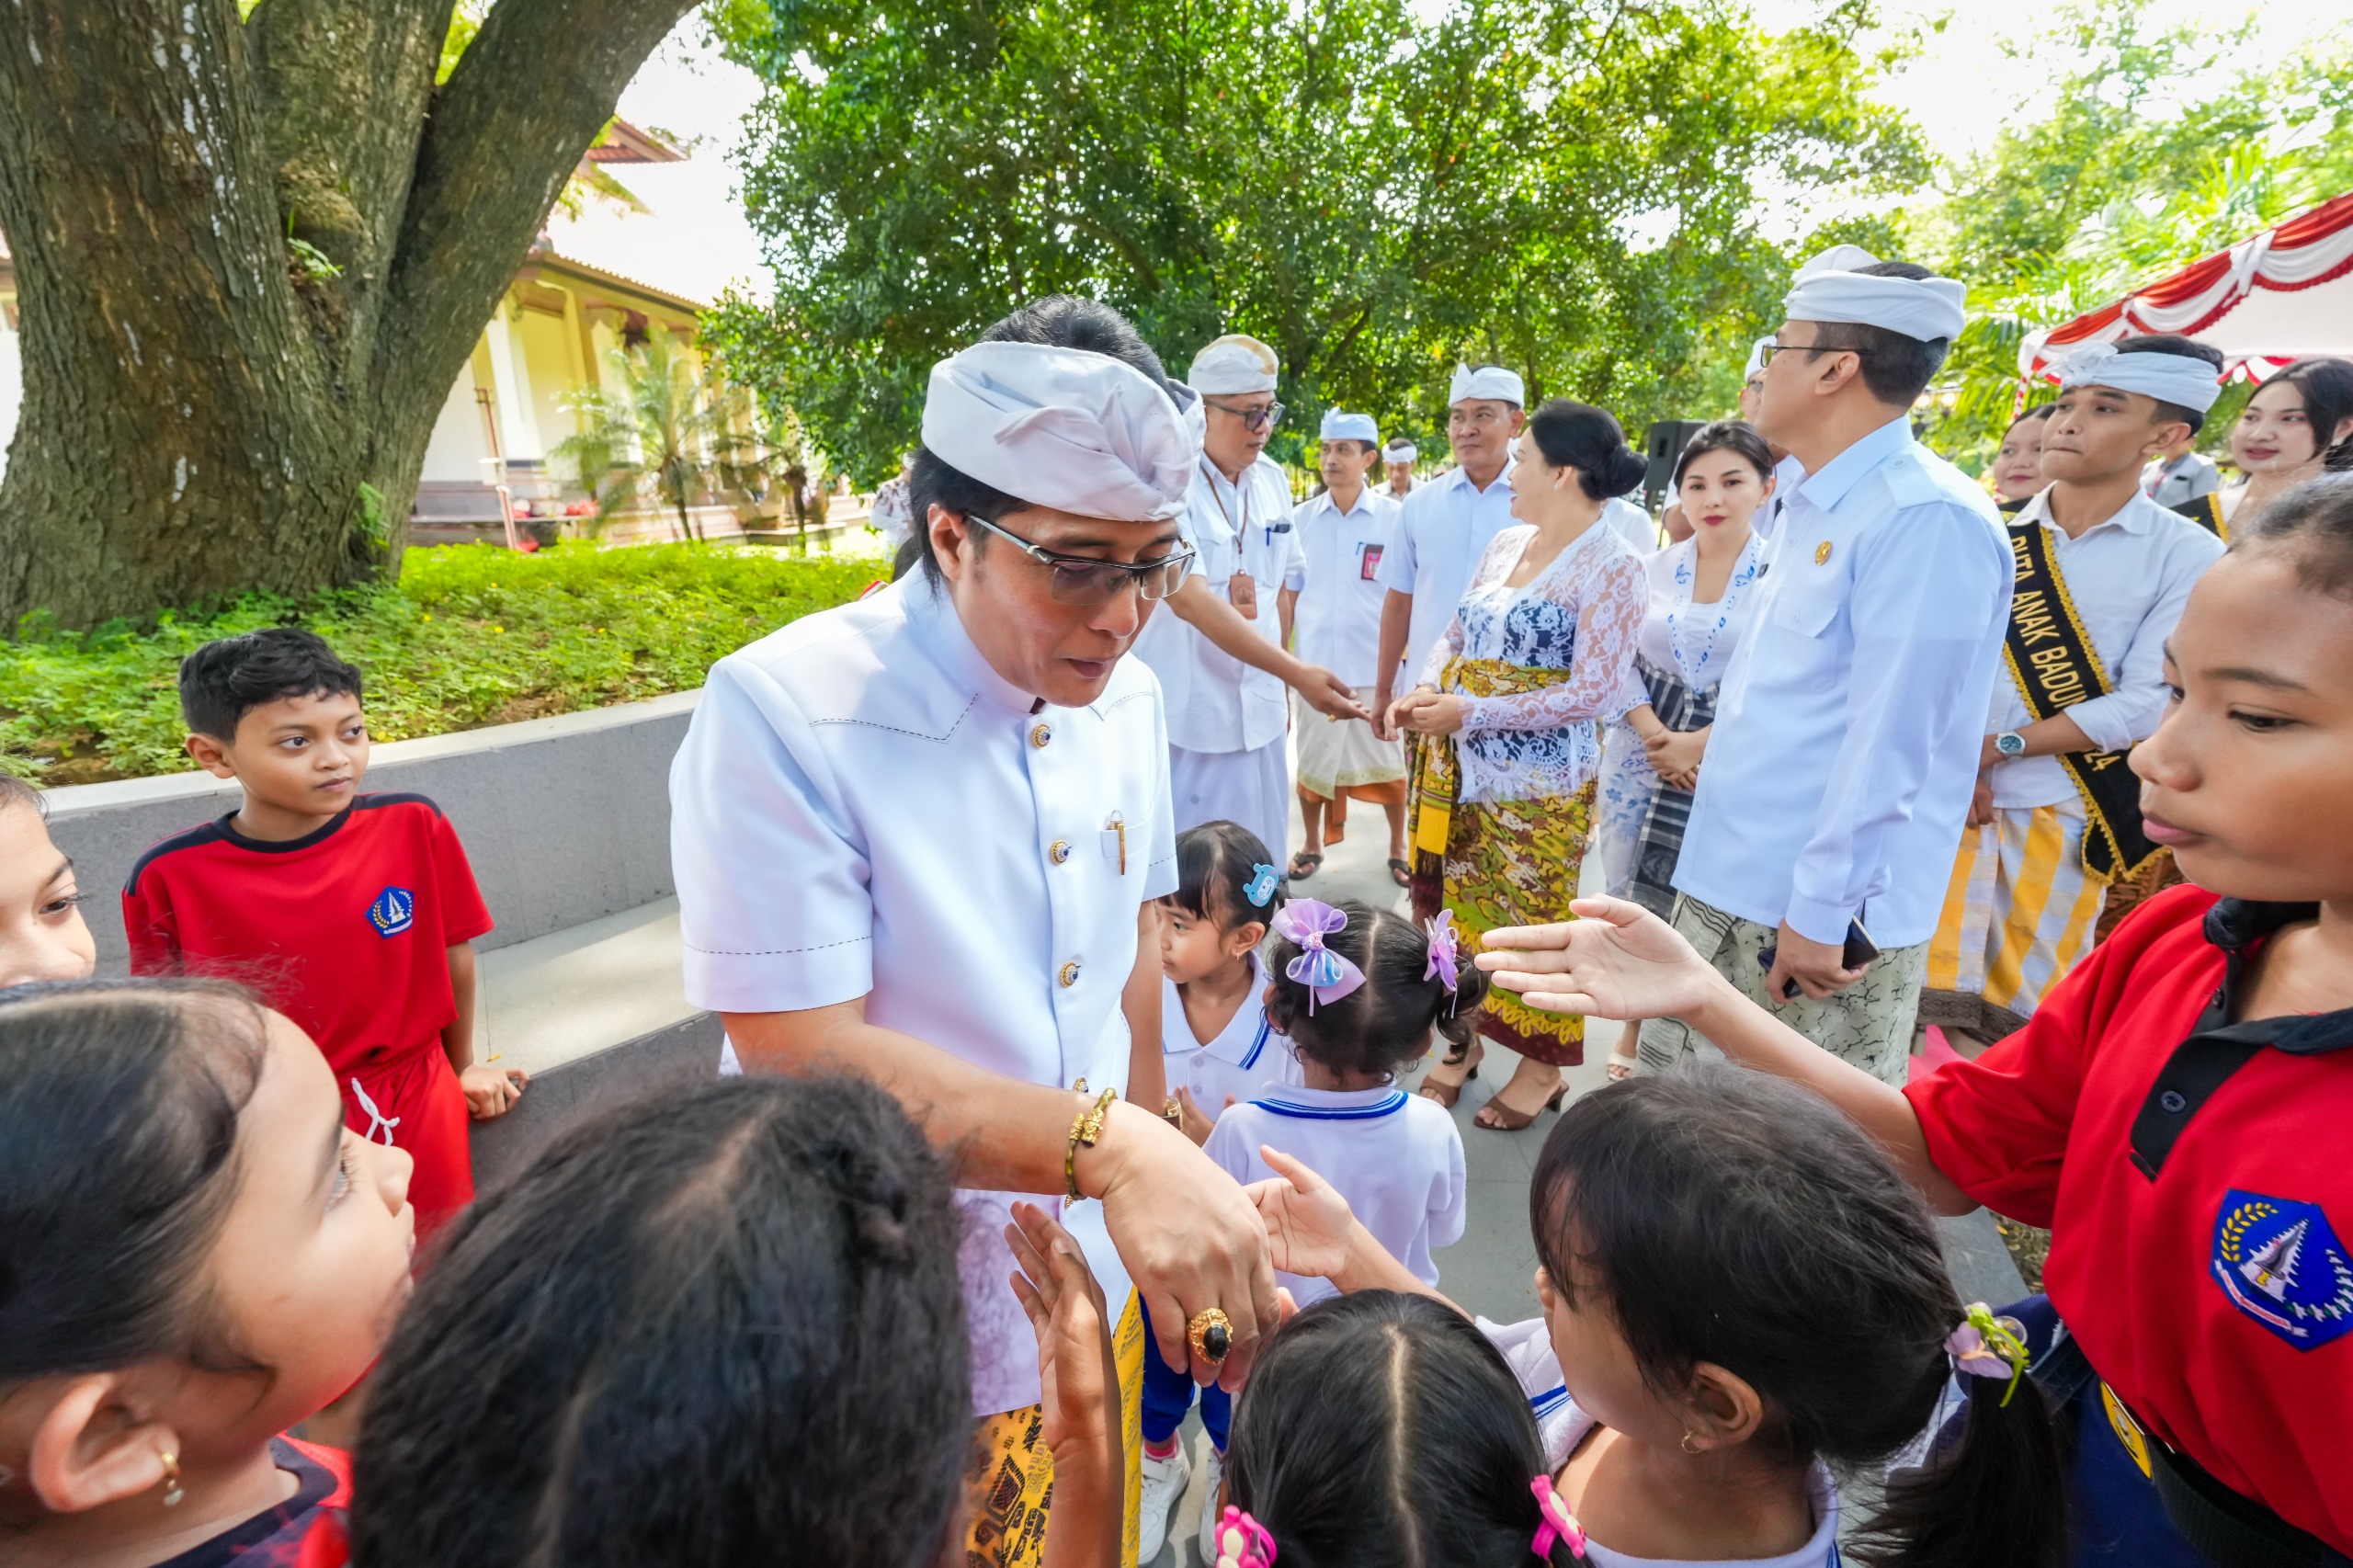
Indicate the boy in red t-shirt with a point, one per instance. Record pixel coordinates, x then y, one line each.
353 915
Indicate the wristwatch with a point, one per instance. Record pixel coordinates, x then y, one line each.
2010 742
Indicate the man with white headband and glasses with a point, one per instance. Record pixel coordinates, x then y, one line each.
1846 740
1334 598
1220 652
1445 526
2103 571
919 838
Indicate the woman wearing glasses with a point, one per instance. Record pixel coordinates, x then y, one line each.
917 838
1505 744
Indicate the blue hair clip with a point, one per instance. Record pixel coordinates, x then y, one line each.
1262 886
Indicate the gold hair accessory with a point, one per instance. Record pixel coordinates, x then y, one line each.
1086 1129
1211 1333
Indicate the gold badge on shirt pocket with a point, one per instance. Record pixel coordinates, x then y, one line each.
1115 841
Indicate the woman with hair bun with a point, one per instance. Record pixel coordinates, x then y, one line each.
1506 742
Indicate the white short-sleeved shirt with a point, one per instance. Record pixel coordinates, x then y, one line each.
1337 618
1443 529
864 807
1396 1157
2129 578
1631 523
1246 1059
1214 701
1846 740
1527 1349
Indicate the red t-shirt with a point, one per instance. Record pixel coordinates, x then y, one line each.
344 930
2192 1173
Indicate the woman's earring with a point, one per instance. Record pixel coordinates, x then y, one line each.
173 1492
1686 1443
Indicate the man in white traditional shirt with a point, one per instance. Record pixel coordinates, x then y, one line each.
1445 526
1220 656
1397 465
1332 598
2103 571
1846 740
919 837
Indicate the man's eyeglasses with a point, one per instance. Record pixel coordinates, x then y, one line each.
1767 348
1252 418
1084 580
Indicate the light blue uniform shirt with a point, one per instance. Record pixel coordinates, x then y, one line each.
1846 741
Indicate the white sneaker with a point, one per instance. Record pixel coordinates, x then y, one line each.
1215 1484
1163 1485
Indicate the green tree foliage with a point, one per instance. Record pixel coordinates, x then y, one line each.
657 439
2126 178
1569 187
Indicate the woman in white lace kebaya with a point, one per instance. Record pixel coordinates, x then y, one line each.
1505 732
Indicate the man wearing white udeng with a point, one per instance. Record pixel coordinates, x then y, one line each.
1219 653
1846 735
917 837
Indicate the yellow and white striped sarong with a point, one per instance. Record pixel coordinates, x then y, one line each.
2018 914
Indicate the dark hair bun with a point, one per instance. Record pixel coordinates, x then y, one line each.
1621 473
1579 436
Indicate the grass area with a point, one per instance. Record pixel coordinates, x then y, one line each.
470 635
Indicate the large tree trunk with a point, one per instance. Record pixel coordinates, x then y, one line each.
206 409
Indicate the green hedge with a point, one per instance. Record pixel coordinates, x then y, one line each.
470 635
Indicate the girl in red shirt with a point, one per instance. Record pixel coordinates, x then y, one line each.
2176 1111
194 1253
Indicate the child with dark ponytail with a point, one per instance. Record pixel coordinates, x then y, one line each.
1740 1294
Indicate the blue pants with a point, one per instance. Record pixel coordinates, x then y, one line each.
1168 1394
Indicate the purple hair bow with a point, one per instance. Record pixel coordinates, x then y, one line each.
1327 975
1442 964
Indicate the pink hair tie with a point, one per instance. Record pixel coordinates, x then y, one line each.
1559 1525
1241 1540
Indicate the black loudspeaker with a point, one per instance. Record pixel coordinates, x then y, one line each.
1663 445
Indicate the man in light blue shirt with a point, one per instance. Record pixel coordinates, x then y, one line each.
1846 743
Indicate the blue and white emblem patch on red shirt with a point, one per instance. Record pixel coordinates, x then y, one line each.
2280 1263
393 911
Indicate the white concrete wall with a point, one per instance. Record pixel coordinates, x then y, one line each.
12 388
454 454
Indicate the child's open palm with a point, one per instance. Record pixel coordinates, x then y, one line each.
1066 1310
1616 959
1310 1229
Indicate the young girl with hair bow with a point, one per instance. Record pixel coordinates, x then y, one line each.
1354 993
1360 992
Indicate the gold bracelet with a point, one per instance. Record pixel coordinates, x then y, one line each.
1173 1113
1086 1129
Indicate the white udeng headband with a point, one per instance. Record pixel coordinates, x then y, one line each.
2168 377
1487 381
1829 288
1065 428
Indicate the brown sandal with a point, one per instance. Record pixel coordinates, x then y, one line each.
1402 873
1509 1120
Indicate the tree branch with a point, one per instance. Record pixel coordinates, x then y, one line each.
530 93
344 85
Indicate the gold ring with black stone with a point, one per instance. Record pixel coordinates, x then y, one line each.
1211 1333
